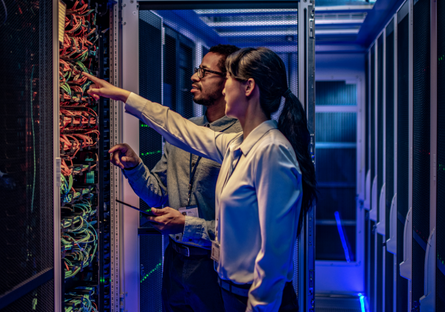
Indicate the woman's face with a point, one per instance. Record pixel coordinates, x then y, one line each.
234 95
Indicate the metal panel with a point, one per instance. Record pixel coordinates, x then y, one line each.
391 211
58 278
402 146
430 293
439 157
151 81
421 142
306 94
115 173
129 248
410 135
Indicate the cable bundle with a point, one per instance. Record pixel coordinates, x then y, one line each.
79 238
79 137
80 299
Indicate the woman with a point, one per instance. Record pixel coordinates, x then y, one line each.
266 182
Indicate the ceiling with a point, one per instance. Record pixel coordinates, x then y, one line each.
348 25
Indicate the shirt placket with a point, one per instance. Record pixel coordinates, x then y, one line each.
235 157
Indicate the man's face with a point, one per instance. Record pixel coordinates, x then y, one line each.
207 90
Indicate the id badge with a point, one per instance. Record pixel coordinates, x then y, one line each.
215 251
191 211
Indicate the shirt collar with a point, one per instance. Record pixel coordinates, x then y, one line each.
219 125
256 135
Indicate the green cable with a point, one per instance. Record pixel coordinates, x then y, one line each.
33 146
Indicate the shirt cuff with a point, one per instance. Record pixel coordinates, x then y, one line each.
136 172
193 229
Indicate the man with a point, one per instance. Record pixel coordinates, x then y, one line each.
181 180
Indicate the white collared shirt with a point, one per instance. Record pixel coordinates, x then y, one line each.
257 205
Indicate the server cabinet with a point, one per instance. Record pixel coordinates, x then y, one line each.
29 214
83 132
402 154
439 164
372 260
151 75
64 210
421 143
391 245
380 186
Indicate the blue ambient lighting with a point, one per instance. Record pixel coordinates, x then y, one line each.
342 236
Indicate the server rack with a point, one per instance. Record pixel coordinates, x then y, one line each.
380 186
438 147
421 143
67 192
151 85
404 213
391 246
411 131
371 181
84 141
30 258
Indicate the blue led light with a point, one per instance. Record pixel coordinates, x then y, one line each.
363 303
342 236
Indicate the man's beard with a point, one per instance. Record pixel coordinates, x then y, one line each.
210 99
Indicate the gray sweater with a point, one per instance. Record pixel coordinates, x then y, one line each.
167 184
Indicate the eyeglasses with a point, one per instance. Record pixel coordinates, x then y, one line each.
202 72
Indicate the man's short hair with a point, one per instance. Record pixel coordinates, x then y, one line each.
224 50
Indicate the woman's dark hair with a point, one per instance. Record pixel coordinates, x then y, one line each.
269 73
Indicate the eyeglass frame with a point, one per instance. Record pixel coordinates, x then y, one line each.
197 69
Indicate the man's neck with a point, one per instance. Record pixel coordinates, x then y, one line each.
216 111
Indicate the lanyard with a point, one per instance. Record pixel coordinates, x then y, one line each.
192 172
192 176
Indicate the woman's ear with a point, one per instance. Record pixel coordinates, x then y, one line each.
250 86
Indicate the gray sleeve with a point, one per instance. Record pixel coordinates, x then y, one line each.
179 131
199 231
151 186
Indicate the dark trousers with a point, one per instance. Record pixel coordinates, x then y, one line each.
236 303
190 284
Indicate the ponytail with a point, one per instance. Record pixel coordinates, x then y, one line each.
293 124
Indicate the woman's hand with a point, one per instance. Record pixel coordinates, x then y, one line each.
105 89
123 156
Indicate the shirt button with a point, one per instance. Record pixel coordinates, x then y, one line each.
177 237
193 164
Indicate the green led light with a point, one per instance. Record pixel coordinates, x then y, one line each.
145 126
149 273
151 153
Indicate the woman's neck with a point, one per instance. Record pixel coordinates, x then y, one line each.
253 118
